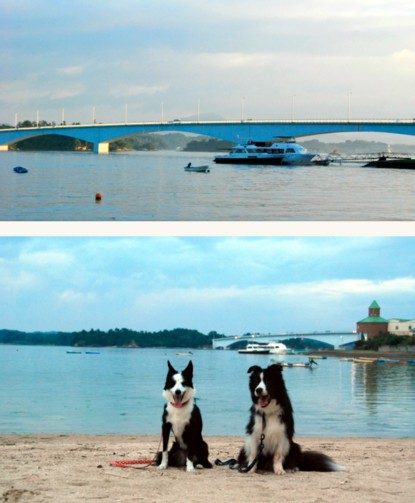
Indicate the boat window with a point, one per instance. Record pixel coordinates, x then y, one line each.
290 150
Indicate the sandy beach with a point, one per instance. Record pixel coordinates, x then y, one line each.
72 468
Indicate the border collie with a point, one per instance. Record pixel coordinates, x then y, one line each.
182 416
270 429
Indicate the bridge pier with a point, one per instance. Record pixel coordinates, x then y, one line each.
101 148
4 148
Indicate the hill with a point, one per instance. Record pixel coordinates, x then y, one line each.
124 337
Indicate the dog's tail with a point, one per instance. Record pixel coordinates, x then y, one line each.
312 461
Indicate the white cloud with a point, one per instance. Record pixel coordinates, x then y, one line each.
45 258
405 60
350 287
124 90
73 297
238 59
70 70
67 92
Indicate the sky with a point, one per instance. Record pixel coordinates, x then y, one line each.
232 285
262 59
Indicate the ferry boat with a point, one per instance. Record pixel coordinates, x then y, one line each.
278 348
265 348
257 348
283 152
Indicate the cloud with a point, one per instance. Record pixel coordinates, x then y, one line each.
238 59
45 258
70 70
67 92
125 90
73 297
405 60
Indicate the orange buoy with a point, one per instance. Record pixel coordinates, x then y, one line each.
98 197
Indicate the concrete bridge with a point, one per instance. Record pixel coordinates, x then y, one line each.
100 135
337 339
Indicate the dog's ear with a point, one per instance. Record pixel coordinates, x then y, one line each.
276 367
254 368
171 368
189 369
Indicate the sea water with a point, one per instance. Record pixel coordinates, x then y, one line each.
109 390
153 186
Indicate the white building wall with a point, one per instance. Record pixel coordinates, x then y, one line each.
401 327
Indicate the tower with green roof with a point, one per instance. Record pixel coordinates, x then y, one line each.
374 324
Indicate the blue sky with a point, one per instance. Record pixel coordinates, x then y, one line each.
76 55
229 284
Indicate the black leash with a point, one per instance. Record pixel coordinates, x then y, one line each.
233 463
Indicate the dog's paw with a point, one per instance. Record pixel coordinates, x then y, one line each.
162 466
190 467
279 470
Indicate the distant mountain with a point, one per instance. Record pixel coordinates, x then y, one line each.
204 117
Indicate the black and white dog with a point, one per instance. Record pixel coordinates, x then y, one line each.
182 416
270 430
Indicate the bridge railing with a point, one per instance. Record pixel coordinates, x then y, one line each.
216 122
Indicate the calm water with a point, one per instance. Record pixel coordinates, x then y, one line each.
46 390
145 186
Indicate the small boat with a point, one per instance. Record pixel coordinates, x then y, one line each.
282 152
20 169
319 161
308 364
188 353
92 353
257 348
362 359
395 163
317 357
197 169
74 352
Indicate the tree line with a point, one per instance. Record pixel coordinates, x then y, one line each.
118 337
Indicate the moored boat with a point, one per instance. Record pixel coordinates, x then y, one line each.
197 169
277 153
278 348
20 169
257 348
392 162
299 364
362 359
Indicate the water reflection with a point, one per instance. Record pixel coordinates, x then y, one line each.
374 383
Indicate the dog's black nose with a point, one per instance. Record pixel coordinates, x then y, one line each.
259 390
177 392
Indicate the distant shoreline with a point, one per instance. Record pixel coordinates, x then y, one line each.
355 353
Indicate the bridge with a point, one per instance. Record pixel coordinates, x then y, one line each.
337 339
100 135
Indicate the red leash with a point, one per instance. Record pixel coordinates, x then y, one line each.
147 462
126 463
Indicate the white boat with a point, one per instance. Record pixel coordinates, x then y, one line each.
197 169
277 348
257 348
283 152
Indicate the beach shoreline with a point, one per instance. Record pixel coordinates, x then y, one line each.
70 468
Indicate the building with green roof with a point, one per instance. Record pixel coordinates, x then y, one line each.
373 324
